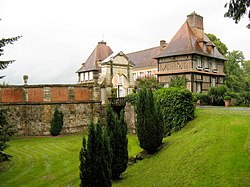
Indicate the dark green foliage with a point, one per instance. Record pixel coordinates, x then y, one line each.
3 42
178 81
217 95
6 132
237 9
149 125
204 98
148 82
117 131
219 45
176 107
235 73
227 97
56 123
132 98
95 158
244 99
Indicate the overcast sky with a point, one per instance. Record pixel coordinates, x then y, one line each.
59 35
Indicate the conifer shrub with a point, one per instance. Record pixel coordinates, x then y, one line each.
95 158
176 107
6 132
56 123
132 98
148 124
117 131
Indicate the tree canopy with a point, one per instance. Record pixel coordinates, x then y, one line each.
237 9
218 43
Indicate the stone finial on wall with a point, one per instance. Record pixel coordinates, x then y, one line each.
25 79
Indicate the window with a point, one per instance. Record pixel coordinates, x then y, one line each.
214 65
213 82
120 79
149 73
134 76
166 85
198 87
86 76
199 66
90 75
141 74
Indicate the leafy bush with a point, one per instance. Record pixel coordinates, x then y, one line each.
176 107
204 98
178 81
56 123
217 95
227 97
132 98
244 99
148 82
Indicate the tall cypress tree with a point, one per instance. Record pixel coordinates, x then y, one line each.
95 159
117 131
149 126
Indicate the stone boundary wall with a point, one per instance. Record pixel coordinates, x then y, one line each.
30 108
35 118
47 93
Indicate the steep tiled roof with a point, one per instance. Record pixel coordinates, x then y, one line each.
101 52
185 42
144 58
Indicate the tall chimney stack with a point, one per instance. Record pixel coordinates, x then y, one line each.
195 21
162 44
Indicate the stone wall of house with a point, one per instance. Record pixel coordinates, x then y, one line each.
35 119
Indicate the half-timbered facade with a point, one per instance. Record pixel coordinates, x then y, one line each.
192 54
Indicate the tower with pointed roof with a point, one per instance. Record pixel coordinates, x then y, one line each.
90 69
111 72
192 54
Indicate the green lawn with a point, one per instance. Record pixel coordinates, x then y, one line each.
47 161
212 150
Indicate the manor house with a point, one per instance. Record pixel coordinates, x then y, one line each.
189 53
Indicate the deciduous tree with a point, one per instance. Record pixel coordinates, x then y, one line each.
237 9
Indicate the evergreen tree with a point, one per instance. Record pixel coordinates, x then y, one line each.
3 42
149 126
95 159
6 131
56 123
117 131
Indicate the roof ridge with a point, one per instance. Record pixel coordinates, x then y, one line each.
143 50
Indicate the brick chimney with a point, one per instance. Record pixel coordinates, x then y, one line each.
162 44
195 21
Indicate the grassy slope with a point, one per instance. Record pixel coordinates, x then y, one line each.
47 161
213 150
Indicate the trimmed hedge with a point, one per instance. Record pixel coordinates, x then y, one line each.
176 107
